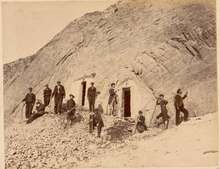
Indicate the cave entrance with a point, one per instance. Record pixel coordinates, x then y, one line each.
126 97
83 92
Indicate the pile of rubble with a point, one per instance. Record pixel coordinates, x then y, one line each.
45 143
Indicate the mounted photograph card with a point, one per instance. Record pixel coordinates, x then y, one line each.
110 84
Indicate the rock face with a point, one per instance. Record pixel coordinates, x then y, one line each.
140 45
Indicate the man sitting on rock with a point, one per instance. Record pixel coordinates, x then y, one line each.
141 126
40 111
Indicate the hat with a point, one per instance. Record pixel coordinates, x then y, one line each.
72 95
58 81
30 88
92 83
140 112
46 85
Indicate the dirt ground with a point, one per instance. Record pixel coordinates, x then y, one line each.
191 144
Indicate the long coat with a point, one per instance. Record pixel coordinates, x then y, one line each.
91 94
30 98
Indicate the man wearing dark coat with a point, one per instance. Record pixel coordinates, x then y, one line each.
163 114
91 95
47 95
40 112
180 106
97 121
141 126
113 100
70 108
29 99
59 94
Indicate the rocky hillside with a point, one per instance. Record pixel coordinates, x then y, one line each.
158 47
13 70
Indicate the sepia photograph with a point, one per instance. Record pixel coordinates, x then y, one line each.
110 84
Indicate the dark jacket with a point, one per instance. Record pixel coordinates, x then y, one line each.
40 109
47 92
70 104
179 100
162 104
60 92
30 98
97 119
91 92
112 95
141 120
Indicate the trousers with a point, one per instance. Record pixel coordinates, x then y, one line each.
36 115
29 108
58 104
46 100
181 109
91 104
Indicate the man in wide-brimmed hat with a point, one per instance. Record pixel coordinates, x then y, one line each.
29 99
58 93
91 95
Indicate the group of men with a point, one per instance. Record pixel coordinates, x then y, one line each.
58 94
179 106
95 117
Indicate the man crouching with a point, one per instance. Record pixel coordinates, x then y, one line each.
141 126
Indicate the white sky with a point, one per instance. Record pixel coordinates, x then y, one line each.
28 26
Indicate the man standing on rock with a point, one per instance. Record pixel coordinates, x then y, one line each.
59 94
113 100
29 99
40 112
163 114
91 95
180 106
47 95
97 121
71 109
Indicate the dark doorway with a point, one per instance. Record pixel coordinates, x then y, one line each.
127 102
83 93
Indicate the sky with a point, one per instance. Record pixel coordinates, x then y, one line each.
28 26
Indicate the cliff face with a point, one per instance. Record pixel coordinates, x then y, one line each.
158 47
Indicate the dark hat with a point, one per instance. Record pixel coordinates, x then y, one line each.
178 91
46 85
92 83
72 95
161 95
58 81
112 84
140 112
30 88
